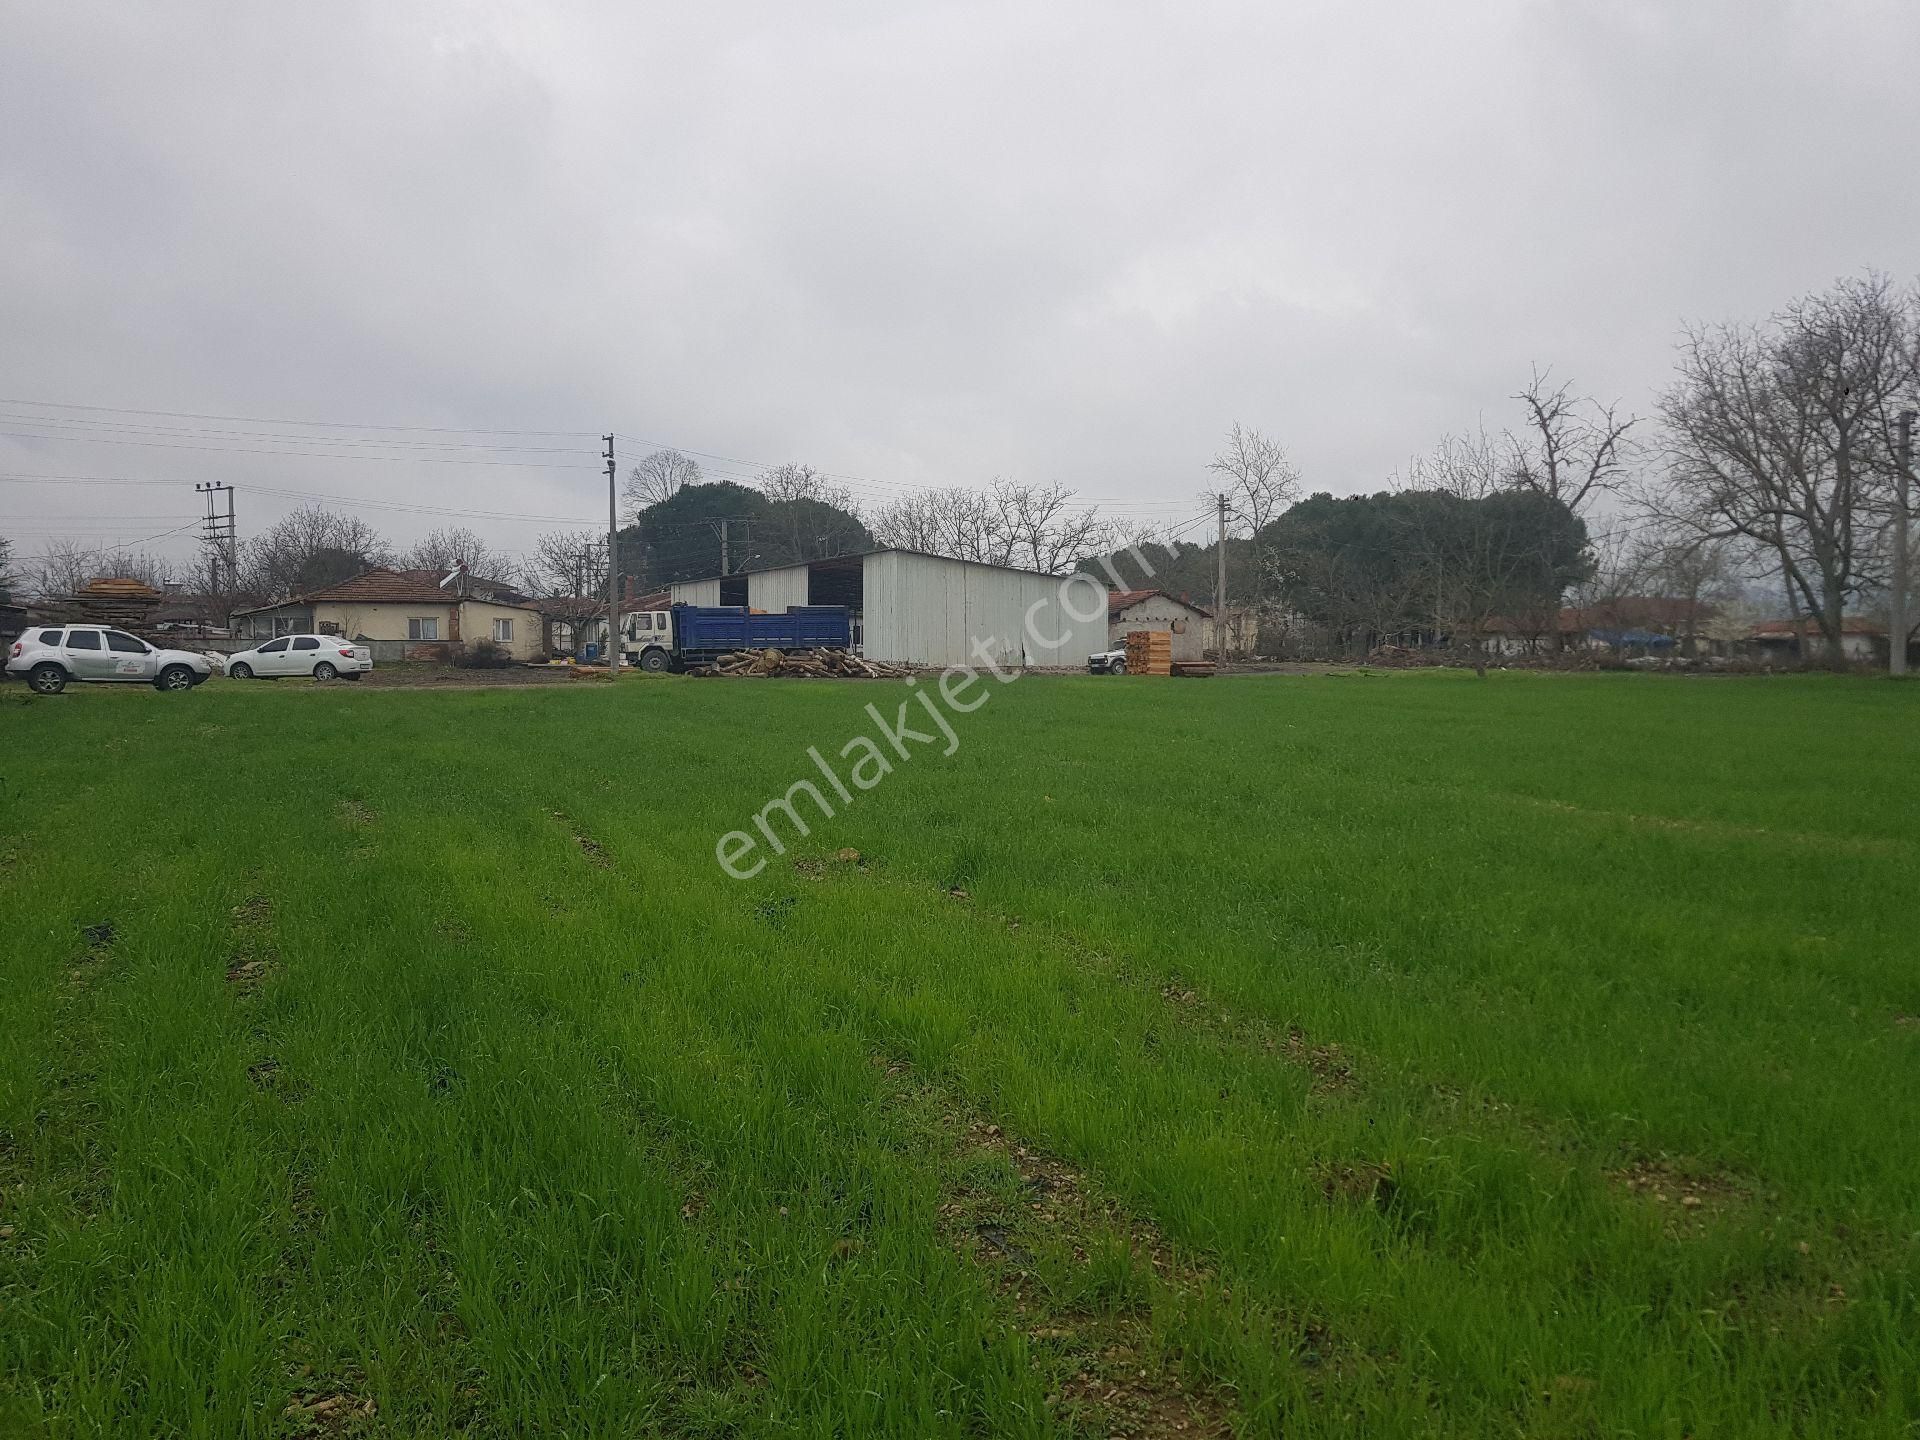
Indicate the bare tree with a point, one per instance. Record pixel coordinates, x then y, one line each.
1044 530
809 517
1781 436
1035 526
1260 482
66 566
309 550
660 476
568 568
449 548
9 576
962 523
1574 448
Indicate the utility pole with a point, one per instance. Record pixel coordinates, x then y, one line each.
1902 483
1220 586
613 570
725 567
219 536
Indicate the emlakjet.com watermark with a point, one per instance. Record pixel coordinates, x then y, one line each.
919 723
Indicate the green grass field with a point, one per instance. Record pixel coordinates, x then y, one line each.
1384 1055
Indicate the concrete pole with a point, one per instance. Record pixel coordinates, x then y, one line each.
1903 479
1220 585
613 570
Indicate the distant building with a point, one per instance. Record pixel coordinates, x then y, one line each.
1190 626
1787 642
910 608
403 615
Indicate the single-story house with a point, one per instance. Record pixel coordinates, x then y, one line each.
1189 625
1779 642
404 615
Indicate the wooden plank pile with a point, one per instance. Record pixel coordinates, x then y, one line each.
817 664
122 603
1149 652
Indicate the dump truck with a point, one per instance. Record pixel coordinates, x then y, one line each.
683 636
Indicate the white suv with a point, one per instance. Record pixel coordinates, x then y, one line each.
49 657
322 656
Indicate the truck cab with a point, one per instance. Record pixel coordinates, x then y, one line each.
647 640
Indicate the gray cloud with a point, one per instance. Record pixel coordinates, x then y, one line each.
920 243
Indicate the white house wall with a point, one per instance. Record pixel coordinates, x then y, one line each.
696 592
775 590
1158 612
923 610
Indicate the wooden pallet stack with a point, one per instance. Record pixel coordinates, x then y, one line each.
1149 652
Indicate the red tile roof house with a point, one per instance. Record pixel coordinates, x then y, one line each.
1190 625
406 615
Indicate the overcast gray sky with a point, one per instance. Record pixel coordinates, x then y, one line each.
913 243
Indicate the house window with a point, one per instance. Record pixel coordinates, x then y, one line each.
503 631
425 627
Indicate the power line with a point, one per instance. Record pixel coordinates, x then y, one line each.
305 454
317 424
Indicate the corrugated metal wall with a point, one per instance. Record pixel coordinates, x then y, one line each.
921 610
775 590
696 592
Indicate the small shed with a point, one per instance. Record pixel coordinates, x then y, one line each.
1157 610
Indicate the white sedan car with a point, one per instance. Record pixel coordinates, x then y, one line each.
322 656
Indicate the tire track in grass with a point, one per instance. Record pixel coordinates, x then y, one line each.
1090 1284
316 1403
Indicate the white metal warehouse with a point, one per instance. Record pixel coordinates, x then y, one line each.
928 610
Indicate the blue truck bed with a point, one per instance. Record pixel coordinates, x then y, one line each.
701 632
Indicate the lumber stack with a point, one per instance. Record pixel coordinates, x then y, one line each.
817 664
1149 652
119 602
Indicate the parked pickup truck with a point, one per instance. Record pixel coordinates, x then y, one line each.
689 635
49 657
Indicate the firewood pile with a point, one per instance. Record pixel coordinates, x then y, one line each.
818 664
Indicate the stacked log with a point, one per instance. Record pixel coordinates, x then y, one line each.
1149 652
817 664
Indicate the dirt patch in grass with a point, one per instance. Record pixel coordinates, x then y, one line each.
1688 1196
330 1412
595 852
822 867
253 956
355 814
